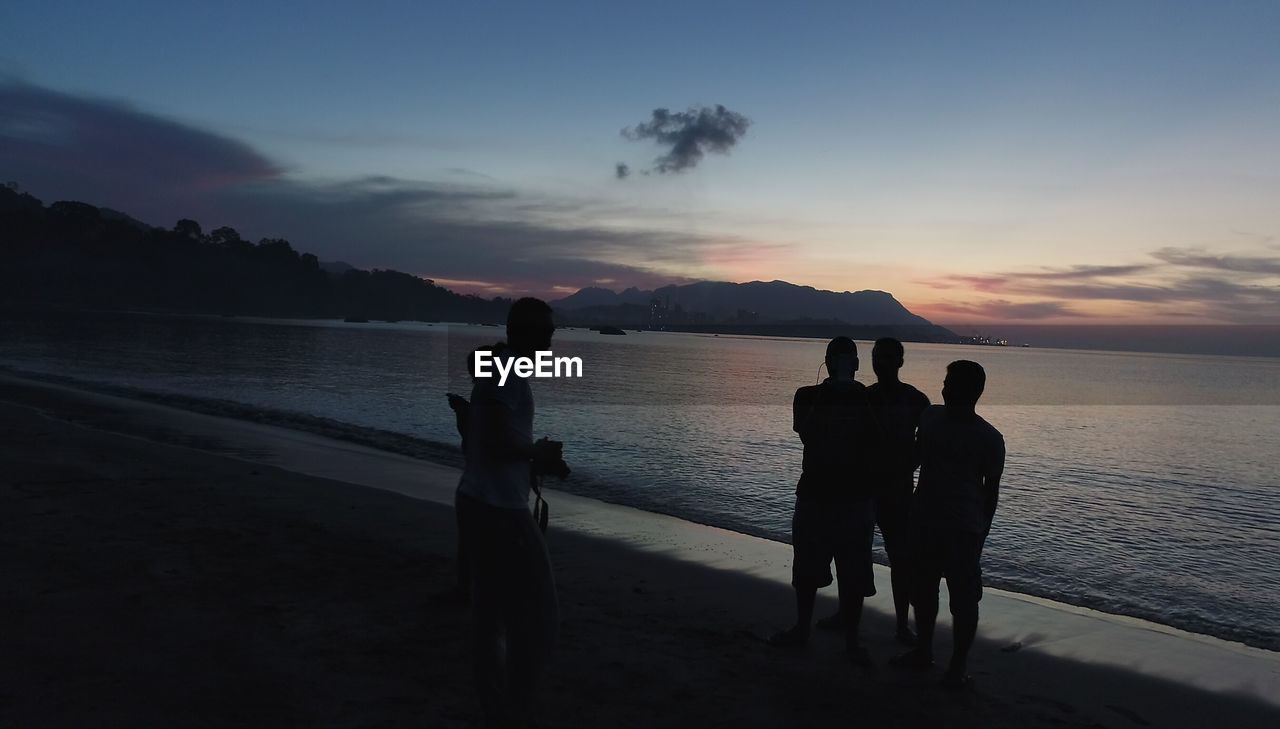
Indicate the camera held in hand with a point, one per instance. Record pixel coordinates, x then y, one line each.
548 459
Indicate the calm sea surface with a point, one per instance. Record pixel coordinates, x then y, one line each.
1136 483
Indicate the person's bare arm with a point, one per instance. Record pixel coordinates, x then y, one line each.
802 417
991 486
918 411
461 411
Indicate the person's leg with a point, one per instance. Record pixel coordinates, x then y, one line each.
851 600
462 589
487 649
926 574
810 570
891 514
965 626
925 599
806 596
797 636
532 617
964 586
852 534
853 560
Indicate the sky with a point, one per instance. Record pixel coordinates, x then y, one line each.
1033 163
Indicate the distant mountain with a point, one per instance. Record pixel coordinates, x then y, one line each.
72 255
596 296
768 308
760 301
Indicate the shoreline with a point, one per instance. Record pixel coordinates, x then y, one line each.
1271 331
660 616
442 454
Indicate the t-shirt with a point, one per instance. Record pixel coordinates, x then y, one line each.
957 453
487 476
835 425
897 410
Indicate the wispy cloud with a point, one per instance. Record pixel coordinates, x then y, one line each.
1085 272
1004 310
1184 283
1195 258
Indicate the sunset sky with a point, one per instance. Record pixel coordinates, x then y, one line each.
1014 162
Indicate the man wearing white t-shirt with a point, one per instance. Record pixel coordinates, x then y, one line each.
514 596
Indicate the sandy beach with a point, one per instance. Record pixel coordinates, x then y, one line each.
165 568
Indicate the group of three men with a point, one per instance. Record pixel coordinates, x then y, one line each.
862 446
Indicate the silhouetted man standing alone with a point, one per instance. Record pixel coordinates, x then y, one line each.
961 459
834 512
514 597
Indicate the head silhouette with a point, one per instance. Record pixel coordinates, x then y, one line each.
886 358
529 327
964 384
471 358
842 353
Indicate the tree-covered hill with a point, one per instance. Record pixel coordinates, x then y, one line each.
74 255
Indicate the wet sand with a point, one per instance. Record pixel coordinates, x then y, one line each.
169 569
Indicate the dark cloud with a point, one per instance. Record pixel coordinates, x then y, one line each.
465 234
1007 310
1085 272
1193 258
59 146
111 154
621 171
690 134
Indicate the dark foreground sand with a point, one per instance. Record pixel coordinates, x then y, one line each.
148 584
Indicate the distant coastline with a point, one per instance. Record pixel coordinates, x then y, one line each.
70 256
1231 341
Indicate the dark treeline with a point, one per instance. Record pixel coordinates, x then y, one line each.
74 255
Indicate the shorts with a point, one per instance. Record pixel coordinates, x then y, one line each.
822 531
893 508
951 553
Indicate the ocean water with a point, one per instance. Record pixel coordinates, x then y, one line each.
1139 484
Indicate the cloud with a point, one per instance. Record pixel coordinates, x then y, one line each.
465 228
621 171
112 154
690 134
522 243
1195 258
1005 310
977 283
1169 289
1085 272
